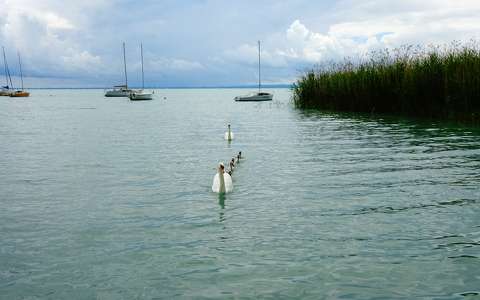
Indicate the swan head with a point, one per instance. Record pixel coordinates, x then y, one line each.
221 167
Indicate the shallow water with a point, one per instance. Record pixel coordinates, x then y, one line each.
110 199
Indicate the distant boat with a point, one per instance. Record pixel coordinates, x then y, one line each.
22 92
120 90
6 90
256 96
141 94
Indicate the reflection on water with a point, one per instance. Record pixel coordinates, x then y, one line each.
221 200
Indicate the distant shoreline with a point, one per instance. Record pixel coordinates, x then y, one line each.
273 86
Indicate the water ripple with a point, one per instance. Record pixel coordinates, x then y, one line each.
104 198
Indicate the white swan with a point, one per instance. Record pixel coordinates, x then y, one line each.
222 182
229 134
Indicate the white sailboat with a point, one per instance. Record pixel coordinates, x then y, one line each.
22 92
120 90
141 94
6 90
256 96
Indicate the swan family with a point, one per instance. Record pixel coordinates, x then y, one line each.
222 181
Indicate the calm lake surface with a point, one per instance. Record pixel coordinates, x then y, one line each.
103 198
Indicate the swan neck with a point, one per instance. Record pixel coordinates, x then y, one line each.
222 182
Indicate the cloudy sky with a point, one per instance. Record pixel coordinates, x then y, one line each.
213 42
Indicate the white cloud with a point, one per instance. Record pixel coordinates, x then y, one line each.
53 21
81 61
174 64
377 24
361 27
299 44
46 33
297 32
248 55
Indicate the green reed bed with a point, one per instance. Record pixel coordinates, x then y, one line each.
438 82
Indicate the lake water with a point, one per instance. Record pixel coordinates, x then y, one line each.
103 198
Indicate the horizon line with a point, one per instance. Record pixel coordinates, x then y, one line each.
283 85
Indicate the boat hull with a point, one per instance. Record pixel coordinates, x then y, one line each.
118 93
20 94
267 97
140 96
5 93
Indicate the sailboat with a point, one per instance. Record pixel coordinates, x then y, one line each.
141 94
256 96
22 92
120 90
6 89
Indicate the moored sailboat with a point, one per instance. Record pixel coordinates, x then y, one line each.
141 94
256 96
6 90
120 90
22 92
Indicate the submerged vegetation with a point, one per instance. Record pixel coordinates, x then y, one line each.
434 82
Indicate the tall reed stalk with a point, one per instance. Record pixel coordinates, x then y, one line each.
438 82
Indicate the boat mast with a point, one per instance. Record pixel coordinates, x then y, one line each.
125 66
7 70
141 54
5 66
20 65
259 74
